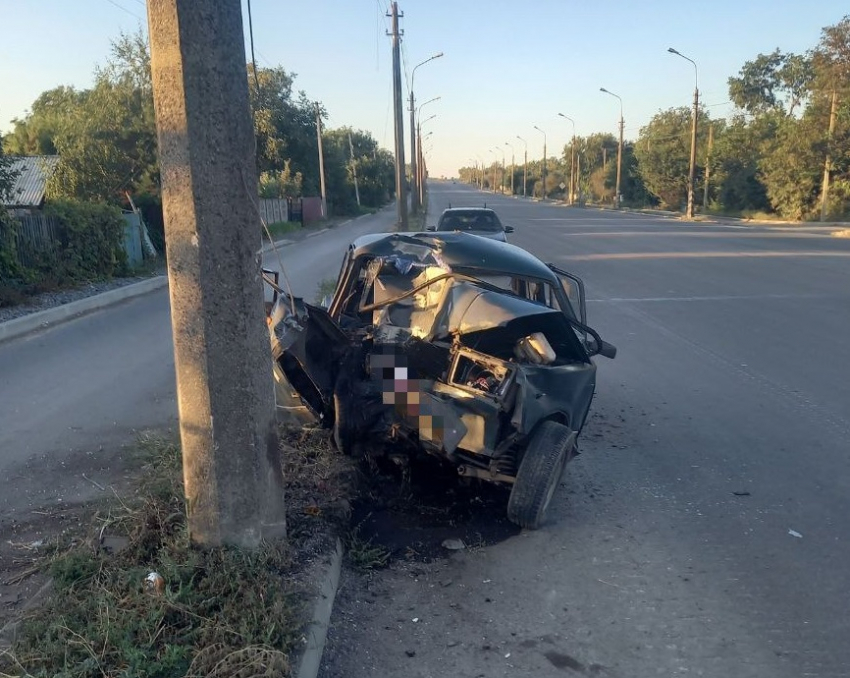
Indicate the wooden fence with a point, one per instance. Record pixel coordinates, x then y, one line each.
37 235
274 210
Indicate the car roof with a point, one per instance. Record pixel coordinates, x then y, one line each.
459 251
450 210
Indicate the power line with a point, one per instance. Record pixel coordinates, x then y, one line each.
253 58
112 2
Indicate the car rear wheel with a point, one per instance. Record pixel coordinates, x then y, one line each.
540 471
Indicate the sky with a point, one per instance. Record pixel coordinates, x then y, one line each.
507 65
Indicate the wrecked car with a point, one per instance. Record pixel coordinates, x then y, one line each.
448 344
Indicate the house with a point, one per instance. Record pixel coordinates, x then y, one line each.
27 193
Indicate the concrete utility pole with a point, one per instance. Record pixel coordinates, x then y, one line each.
543 172
354 169
827 165
225 391
321 162
619 149
422 172
524 166
707 166
572 159
401 192
513 165
414 169
692 168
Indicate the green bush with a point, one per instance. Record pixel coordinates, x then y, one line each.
90 240
9 268
89 247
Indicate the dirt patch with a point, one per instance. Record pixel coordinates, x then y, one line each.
412 512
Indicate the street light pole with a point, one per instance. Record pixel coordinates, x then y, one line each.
419 166
619 148
502 173
513 168
414 195
524 166
543 172
692 169
572 159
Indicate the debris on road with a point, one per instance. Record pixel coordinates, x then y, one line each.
154 583
796 534
454 544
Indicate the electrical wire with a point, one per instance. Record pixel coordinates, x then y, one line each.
115 4
253 58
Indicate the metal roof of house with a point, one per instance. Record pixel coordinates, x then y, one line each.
31 182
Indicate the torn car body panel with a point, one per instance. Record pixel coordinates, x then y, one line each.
454 343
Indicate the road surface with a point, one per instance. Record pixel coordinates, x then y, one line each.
73 397
705 528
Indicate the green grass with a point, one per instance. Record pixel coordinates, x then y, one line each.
279 228
362 554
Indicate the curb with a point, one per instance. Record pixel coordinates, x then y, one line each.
11 329
271 247
17 327
317 632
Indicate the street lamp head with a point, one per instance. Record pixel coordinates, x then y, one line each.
672 51
602 89
437 55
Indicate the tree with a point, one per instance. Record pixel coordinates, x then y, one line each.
104 136
775 81
632 187
737 153
791 166
7 176
663 153
36 133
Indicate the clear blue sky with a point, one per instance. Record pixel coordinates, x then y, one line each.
508 65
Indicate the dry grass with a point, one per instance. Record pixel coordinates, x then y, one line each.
221 612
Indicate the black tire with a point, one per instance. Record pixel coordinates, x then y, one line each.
540 471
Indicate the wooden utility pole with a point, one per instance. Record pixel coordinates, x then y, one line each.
225 391
321 161
401 193
354 168
827 165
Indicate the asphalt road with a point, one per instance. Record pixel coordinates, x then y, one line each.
705 528
73 397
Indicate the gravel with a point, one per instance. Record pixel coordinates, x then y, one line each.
47 300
